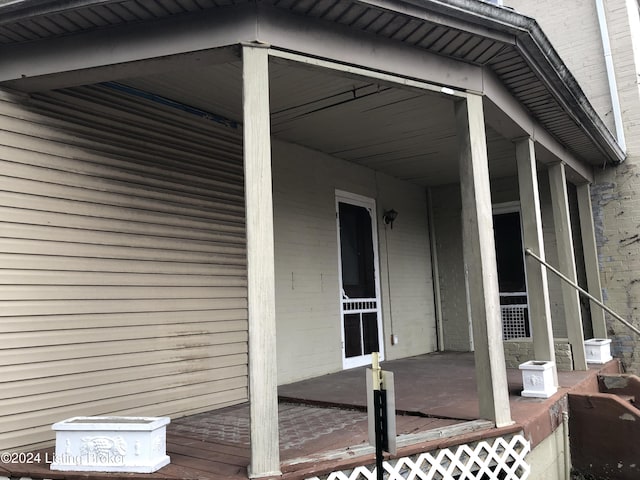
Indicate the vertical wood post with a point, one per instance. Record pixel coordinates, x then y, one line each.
537 284
567 263
589 247
480 262
263 392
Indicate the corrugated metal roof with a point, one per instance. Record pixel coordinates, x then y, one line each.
460 29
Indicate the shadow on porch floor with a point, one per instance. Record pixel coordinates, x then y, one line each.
323 422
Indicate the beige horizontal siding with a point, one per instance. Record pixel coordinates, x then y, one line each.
233 331
80 347
69 396
69 248
122 261
65 307
230 364
60 264
34 437
94 402
35 278
45 370
38 323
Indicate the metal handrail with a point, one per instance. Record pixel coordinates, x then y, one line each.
582 291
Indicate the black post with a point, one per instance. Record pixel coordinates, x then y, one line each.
380 420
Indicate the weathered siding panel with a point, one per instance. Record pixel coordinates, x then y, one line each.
122 261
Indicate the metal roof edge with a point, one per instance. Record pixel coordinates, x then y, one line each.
16 10
568 91
531 43
542 56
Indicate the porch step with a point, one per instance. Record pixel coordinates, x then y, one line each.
623 385
604 428
605 433
628 398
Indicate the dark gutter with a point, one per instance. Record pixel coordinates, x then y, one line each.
539 53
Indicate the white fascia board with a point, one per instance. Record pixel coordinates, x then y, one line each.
169 43
341 44
134 68
362 73
123 46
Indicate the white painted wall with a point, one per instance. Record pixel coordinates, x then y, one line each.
447 207
307 299
548 459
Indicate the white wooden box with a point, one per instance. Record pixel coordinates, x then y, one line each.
537 379
598 350
111 444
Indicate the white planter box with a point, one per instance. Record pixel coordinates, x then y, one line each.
537 379
598 350
111 444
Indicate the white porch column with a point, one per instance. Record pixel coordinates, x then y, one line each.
480 262
567 263
537 284
590 250
263 391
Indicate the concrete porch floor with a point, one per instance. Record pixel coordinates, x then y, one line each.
323 422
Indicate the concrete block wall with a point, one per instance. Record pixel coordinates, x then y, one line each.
548 460
520 350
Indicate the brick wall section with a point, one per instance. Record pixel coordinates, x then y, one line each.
520 350
572 28
616 198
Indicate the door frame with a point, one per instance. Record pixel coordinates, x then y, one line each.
515 207
370 204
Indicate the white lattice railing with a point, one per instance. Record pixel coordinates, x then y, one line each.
514 321
493 459
515 315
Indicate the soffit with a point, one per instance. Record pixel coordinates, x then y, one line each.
405 133
468 31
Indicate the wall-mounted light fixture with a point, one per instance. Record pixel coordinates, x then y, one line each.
389 216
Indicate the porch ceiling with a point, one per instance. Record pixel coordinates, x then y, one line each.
404 133
510 45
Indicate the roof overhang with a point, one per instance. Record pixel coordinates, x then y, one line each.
45 44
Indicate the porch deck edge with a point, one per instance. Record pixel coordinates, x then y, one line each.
408 444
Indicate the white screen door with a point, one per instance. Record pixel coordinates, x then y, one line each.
512 280
359 282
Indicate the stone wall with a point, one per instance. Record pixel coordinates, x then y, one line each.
520 350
